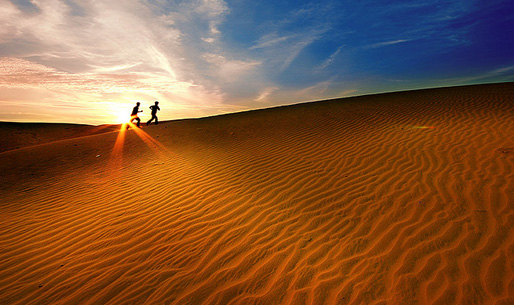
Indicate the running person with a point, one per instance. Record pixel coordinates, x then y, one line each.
134 116
154 109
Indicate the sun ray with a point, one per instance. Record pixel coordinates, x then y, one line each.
117 152
153 144
149 140
116 158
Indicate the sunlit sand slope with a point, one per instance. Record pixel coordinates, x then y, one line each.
402 198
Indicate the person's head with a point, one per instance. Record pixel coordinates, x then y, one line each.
156 102
138 103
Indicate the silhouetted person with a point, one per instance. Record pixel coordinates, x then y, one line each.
134 116
154 109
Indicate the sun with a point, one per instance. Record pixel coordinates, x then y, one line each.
122 118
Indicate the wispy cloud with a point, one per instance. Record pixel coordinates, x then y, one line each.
331 58
385 43
499 74
319 89
281 51
263 96
270 40
293 50
230 70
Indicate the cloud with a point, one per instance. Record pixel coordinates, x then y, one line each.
385 43
107 35
230 70
347 92
212 8
266 93
270 40
331 58
503 70
495 75
316 90
18 73
281 51
293 50
215 9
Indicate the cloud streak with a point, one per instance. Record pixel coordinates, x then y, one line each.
385 43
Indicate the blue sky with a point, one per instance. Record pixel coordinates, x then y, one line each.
90 61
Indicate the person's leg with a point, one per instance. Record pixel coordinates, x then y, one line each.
153 117
138 121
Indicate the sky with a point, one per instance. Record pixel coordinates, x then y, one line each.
90 61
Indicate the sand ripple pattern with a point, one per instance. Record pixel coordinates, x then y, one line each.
401 198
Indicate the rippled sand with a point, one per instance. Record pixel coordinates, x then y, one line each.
400 198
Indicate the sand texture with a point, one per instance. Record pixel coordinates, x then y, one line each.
400 198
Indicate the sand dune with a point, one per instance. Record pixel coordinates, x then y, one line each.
400 198
19 135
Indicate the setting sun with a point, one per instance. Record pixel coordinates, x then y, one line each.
122 117
120 114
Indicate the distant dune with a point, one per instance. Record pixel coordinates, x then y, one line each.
398 198
19 135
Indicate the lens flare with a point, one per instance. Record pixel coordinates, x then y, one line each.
116 158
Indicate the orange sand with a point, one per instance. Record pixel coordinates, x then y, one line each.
401 198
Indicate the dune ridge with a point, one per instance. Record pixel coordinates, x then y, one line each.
400 198
20 135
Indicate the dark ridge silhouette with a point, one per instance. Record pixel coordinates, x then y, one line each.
20 135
